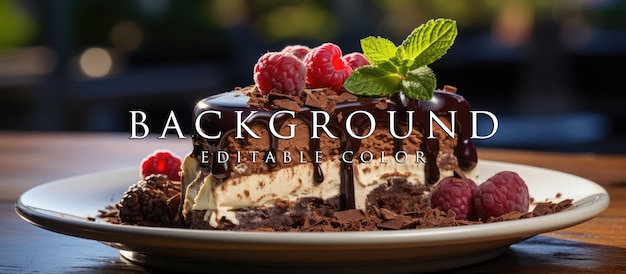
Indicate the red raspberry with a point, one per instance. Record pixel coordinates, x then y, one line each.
456 194
161 162
298 50
281 71
355 60
503 193
325 68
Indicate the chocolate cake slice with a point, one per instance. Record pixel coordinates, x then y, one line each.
272 161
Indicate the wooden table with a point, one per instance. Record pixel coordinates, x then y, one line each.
29 159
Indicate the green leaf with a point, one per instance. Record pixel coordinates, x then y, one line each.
403 68
389 66
372 81
400 64
419 83
428 42
377 49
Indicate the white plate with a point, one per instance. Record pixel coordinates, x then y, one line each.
63 206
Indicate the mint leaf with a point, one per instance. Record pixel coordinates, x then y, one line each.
419 83
372 81
403 68
377 49
400 65
428 42
389 66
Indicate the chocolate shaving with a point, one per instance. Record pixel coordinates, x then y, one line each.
387 214
349 215
382 104
321 98
257 100
346 97
393 224
274 95
315 99
515 215
448 88
324 99
546 208
286 104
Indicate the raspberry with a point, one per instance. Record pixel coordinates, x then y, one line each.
161 162
456 194
298 50
355 60
325 68
281 71
503 193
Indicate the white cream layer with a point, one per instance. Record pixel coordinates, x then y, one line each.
290 184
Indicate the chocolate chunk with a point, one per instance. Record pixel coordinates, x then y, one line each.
349 215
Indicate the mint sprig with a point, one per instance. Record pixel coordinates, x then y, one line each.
403 68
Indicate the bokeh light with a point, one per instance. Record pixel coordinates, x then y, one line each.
96 62
126 36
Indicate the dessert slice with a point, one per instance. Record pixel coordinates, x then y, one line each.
335 168
321 133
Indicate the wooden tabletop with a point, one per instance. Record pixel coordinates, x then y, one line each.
30 159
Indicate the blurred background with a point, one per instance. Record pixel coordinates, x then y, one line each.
550 70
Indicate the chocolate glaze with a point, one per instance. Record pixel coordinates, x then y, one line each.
442 102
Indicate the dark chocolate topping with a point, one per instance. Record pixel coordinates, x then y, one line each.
442 102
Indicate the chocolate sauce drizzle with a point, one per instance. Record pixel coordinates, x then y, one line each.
440 104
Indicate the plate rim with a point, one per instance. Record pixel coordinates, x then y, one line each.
176 237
